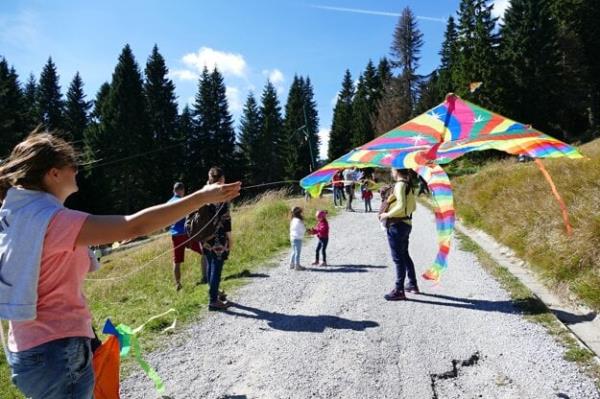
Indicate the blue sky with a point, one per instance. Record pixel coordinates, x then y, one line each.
249 41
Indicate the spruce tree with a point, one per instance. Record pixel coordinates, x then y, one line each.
393 109
448 59
362 129
384 71
301 126
271 151
224 133
250 133
199 144
30 109
125 133
161 104
340 139
531 58
185 130
76 112
50 100
429 94
12 127
405 50
477 59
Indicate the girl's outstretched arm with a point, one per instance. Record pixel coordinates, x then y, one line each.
107 229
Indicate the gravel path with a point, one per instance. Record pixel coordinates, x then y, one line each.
328 333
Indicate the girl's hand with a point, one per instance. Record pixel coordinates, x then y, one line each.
213 193
384 215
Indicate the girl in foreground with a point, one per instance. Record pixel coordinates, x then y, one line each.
44 259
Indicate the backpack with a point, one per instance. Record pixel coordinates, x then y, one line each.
201 225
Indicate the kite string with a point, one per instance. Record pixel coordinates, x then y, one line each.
183 244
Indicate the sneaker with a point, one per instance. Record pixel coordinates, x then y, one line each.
412 288
323 263
315 263
218 305
298 267
222 296
395 295
292 265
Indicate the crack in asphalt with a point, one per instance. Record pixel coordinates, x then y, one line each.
456 364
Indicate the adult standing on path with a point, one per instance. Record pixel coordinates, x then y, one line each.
45 257
349 178
181 241
218 246
401 205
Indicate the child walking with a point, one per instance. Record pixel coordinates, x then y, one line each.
321 230
297 231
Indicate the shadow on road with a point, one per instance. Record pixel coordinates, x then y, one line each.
345 268
530 306
300 323
246 274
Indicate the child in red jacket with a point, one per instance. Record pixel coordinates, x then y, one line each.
321 230
367 195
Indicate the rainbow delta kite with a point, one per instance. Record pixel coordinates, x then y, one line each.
437 137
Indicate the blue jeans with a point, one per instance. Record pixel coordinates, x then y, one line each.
368 205
60 369
398 234
322 245
337 196
296 249
214 269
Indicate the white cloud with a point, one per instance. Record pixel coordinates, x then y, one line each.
334 99
500 7
20 30
324 144
234 98
374 12
184 74
231 64
274 75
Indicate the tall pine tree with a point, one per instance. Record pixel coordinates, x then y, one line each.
125 133
270 153
340 138
30 109
448 59
477 60
12 127
161 104
50 100
362 128
405 50
76 112
301 127
531 58
250 133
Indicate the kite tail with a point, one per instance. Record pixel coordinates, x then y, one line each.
441 193
561 203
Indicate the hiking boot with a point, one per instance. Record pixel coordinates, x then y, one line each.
412 288
222 296
315 263
298 267
323 263
395 295
218 305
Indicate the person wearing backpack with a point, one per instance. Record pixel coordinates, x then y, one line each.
181 241
401 205
218 245
44 260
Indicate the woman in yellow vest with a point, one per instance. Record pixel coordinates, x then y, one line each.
398 216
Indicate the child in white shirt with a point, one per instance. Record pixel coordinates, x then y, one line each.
297 231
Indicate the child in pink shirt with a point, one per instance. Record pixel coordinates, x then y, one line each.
321 230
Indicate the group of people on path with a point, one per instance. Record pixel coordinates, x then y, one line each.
344 184
213 249
45 257
395 214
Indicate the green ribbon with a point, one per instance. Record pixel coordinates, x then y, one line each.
129 342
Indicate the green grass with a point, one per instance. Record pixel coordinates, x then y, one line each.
513 203
260 230
533 308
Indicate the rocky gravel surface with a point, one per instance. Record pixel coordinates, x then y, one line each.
328 333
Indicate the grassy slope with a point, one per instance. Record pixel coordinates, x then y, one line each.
260 230
513 202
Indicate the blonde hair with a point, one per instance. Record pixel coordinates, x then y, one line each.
32 158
